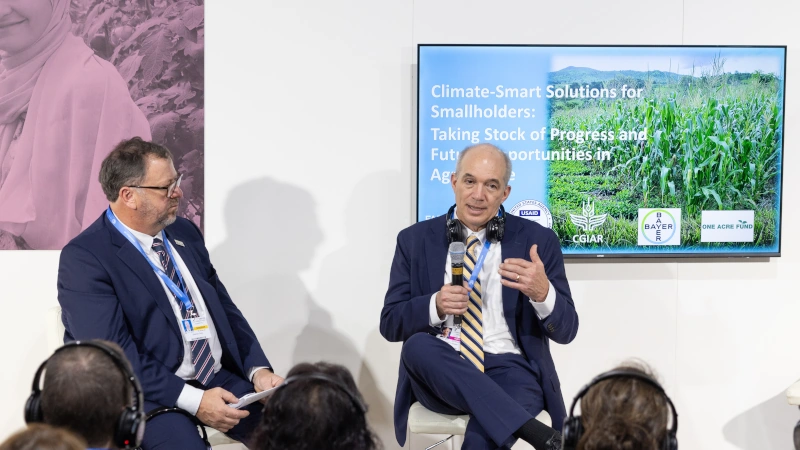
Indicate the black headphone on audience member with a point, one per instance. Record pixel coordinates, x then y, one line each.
573 427
130 425
495 229
360 406
194 419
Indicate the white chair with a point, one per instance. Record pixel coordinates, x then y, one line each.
424 421
793 396
55 339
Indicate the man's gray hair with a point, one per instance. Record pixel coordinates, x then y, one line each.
126 165
506 159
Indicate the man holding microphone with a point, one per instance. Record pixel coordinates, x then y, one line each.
514 299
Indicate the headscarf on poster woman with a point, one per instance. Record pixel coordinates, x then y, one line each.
62 110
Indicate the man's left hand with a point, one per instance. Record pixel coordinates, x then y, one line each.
264 379
526 276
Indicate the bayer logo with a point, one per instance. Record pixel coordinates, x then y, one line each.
659 226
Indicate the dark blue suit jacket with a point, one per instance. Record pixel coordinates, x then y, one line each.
107 290
417 273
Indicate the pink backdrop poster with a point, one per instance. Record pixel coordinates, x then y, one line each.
77 77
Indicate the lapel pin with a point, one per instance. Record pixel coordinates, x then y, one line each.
179 243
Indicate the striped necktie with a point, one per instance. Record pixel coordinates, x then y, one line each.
472 321
202 359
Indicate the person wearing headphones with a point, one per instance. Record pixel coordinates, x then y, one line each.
39 436
88 388
622 409
142 277
514 301
318 406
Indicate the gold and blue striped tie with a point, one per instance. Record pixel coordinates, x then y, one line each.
472 321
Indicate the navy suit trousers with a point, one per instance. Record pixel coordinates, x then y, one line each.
176 431
499 401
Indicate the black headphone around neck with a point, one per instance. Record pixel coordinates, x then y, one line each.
165 410
129 431
495 229
573 427
360 406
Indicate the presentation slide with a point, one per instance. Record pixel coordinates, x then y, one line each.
621 150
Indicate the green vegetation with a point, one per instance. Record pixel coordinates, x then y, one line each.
713 142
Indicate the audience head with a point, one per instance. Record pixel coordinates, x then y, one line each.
318 406
89 388
622 409
39 436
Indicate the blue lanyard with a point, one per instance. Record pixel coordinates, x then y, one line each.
179 293
477 269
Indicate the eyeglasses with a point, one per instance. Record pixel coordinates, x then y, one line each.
170 189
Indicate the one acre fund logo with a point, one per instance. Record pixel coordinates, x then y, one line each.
533 210
588 221
727 226
659 226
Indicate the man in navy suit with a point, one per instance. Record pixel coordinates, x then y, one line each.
503 374
141 277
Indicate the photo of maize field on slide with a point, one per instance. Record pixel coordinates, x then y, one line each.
713 143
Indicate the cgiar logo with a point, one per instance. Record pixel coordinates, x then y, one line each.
588 221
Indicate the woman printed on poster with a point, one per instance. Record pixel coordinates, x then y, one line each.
70 90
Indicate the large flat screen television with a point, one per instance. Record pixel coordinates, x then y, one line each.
621 150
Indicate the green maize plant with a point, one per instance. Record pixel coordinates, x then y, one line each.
712 142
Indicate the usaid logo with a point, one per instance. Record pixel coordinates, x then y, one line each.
533 210
659 226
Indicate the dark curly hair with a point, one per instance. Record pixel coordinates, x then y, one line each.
311 414
614 433
624 413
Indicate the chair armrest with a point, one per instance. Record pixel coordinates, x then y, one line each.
424 421
216 437
544 417
793 393
55 329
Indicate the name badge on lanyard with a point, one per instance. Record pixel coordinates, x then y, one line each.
195 329
179 293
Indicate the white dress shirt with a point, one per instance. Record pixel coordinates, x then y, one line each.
190 397
497 338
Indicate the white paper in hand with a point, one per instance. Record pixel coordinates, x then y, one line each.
250 398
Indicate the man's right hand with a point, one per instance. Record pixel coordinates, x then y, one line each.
452 300
215 412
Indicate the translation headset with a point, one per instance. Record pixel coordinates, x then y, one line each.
130 425
495 229
360 406
165 410
573 427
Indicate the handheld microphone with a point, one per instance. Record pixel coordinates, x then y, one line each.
457 251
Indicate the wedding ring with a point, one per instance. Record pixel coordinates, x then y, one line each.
517 278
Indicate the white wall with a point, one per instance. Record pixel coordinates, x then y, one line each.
309 170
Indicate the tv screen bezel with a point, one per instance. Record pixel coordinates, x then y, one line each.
704 255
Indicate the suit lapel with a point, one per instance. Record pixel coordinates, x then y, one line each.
208 292
135 261
435 255
513 246
188 258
